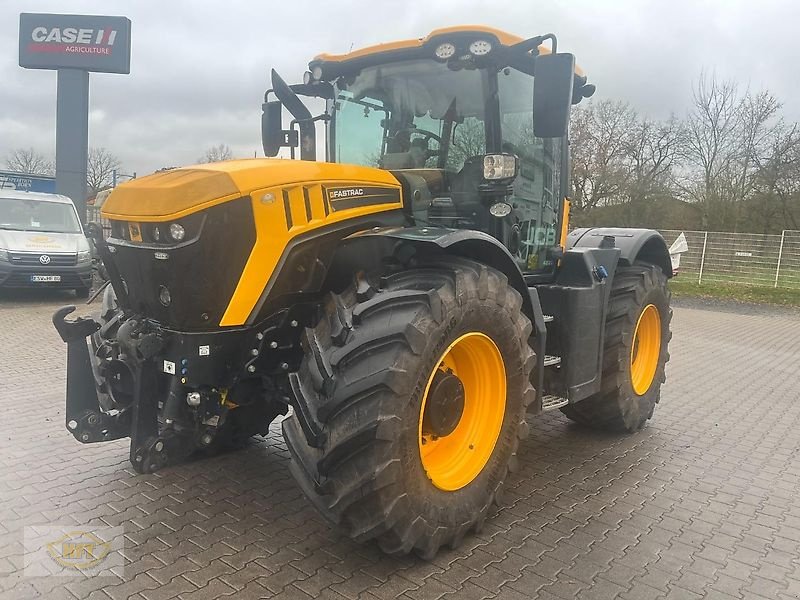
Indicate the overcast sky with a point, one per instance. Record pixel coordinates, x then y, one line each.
199 68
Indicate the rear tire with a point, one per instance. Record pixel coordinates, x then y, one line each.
354 434
618 406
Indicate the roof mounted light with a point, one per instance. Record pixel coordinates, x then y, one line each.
445 51
316 73
480 47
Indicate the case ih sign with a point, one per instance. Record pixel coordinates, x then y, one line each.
87 42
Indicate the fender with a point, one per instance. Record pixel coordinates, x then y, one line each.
476 245
634 244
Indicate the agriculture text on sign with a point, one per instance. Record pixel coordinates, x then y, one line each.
89 42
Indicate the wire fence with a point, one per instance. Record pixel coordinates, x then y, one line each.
713 257
748 258
93 215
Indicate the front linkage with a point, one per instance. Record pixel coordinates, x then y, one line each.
172 392
86 416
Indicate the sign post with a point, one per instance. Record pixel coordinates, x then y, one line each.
74 45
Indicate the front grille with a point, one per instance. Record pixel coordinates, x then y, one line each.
35 259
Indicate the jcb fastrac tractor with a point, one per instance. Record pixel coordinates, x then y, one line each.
414 299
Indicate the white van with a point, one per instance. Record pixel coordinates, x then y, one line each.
42 243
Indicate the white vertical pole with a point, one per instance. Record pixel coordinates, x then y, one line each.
703 259
780 256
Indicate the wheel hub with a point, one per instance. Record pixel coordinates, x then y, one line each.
467 397
445 405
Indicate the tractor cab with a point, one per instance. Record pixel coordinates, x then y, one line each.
472 121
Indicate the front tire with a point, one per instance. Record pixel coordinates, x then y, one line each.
637 336
366 449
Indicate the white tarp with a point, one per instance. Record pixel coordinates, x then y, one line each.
679 246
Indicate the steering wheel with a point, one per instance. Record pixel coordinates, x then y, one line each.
428 135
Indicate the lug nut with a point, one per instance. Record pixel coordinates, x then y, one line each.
206 439
273 345
254 351
84 437
259 336
251 368
293 323
285 366
72 424
193 398
159 446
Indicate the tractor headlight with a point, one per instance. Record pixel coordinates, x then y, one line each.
177 232
84 256
445 51
480 48
499 167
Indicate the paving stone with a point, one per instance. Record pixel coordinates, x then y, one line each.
700 503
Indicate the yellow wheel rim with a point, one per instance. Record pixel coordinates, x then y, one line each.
646 349
454 460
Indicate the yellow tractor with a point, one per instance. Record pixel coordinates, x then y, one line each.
411 303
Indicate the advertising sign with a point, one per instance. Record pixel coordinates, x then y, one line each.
88 42
26 182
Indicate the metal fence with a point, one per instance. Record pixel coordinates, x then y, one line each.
93 215
749 258
713 256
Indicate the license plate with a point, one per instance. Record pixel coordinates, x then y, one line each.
45 277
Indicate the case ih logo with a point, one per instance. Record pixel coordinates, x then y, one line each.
72 40
88 42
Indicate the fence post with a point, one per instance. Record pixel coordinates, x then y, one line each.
780 256
702 259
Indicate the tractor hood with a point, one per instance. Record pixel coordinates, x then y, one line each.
178 192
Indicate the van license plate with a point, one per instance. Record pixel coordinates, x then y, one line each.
45 277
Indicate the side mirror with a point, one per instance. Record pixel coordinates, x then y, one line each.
273 136
554 76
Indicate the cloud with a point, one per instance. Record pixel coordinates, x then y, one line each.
199 69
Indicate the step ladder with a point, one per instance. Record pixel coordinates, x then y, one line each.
550 401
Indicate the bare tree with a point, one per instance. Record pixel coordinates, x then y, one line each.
216 154
28 160
100 169
601 138
727 131
775 200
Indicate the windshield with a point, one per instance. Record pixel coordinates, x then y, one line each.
419 116
411 114
37 215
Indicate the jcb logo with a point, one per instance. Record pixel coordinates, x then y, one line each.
78 549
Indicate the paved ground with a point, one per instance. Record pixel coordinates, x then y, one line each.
702 503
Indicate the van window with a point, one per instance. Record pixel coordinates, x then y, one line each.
33 215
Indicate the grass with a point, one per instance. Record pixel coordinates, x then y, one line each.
684 288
